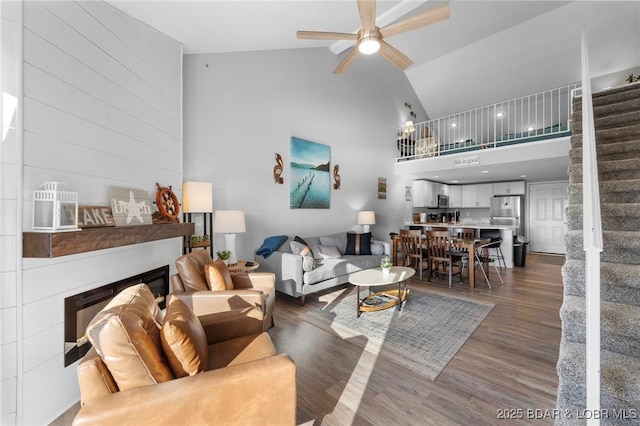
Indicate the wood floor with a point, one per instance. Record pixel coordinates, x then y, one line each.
506 367
507 364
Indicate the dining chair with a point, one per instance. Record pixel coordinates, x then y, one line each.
463 234
414 252
483 258
439 244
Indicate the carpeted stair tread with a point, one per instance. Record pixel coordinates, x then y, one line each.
618 246
609 170
620 378
624 103
610 97
611 191
608 121
610 151
620 283
617 134
615 216
619 326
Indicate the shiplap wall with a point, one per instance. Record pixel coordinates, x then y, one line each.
10 171
102 106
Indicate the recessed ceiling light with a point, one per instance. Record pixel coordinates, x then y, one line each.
530 129
523 175
454 181
436 176
454 125
500 114
484 171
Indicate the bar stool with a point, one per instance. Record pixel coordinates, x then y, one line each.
483 258
496 241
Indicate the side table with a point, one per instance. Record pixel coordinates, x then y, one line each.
242 267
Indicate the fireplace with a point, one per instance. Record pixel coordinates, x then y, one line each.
80 309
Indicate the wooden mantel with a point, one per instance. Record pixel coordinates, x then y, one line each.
47 245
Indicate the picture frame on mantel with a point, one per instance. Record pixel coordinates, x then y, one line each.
130 206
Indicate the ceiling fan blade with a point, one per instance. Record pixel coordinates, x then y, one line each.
394 56
367 9
320 35
428 17
342 67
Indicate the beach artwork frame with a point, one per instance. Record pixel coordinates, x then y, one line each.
310 179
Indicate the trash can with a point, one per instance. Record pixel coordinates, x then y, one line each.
520 244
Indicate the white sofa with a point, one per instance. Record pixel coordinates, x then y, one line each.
291 279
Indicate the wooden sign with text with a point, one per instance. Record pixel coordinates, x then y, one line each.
95 217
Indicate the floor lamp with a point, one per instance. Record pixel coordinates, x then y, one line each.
197 198
230 223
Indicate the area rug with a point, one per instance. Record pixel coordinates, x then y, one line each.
423 337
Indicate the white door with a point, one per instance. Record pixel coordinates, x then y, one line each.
547 220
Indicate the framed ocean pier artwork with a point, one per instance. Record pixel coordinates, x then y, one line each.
310 175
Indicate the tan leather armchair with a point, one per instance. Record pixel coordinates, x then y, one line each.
251 289
233 375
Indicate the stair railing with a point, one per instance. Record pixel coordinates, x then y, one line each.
592 234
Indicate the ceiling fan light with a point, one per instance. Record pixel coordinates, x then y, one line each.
368 45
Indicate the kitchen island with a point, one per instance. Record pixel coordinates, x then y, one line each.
506 234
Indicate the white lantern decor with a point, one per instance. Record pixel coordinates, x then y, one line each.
55 208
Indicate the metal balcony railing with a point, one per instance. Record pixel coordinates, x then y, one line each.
530 118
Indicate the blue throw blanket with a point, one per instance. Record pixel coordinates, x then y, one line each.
270 245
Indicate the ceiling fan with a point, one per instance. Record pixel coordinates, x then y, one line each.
369 39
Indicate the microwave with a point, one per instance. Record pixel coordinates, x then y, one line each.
443 201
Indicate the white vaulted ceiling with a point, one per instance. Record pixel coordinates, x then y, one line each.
487 51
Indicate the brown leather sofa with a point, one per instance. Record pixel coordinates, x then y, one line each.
214 369
243 290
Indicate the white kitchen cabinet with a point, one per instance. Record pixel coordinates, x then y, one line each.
478 195
485 192
509 188
455 196
424 194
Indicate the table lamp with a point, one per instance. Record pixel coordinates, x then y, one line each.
229 223
366 218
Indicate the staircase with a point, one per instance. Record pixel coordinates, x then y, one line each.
617 124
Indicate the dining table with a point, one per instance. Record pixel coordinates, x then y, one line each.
460 244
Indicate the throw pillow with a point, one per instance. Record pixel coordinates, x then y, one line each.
377 249
301 241
303 250
219 277
358 244
329 252
340 243
183 340
126 335
215 279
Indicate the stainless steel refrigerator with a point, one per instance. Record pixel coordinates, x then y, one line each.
508 211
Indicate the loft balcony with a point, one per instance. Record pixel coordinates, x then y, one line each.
529 133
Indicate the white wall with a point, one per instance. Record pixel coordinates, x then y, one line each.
102 106
242 108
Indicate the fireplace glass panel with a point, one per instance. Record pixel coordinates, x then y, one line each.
81 308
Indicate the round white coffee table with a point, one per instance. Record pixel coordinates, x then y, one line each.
381 299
